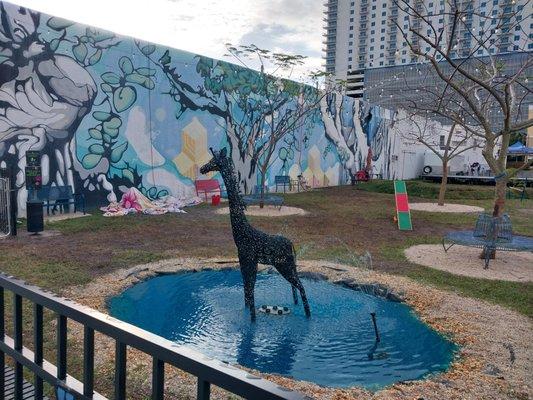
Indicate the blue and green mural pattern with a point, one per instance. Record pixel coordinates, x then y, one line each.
108 112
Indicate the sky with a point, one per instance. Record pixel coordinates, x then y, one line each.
204 26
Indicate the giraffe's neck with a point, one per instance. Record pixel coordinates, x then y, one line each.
236 205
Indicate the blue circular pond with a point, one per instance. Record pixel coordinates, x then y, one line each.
336 347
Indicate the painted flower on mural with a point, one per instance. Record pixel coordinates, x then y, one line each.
87 48
106 133
120 94
121 86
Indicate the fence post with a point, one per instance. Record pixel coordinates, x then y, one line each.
2 355
13 200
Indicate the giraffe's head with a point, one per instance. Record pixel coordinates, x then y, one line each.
218 161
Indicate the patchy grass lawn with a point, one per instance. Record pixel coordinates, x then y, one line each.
344 222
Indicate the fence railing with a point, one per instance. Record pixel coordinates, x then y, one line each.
208 371
5 209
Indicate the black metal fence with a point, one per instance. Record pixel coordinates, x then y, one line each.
208 372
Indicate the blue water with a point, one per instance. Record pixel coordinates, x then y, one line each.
336 347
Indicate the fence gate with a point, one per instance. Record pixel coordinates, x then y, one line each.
5 211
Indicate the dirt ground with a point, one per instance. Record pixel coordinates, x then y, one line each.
348 219
465 261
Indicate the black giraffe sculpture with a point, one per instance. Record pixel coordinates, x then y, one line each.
254 246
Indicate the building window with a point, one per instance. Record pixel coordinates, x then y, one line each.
371 48
351 36
372 32
349 58
383 22
381 63
372 40
351 28
383 31
350 51
352 12
373 24
373 7
382 46
351 19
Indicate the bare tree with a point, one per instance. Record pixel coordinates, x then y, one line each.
470 84
428 132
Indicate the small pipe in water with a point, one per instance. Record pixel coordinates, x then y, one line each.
373 315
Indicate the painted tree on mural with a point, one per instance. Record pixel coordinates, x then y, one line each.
356 130
284 107
44 96
257 110
45 93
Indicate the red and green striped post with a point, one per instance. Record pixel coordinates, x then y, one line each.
402 206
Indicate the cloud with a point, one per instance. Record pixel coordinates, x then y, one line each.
288 26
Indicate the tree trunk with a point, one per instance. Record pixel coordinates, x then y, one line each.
499 204
262 192
443 182
499 197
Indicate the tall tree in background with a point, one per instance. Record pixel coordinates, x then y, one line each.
472 83
428 132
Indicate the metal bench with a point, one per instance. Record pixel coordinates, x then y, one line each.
206 187
490 234
58 196
284 181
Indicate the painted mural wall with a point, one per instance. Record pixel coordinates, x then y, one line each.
108 112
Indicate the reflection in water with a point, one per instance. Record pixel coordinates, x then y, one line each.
280 357
336 347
